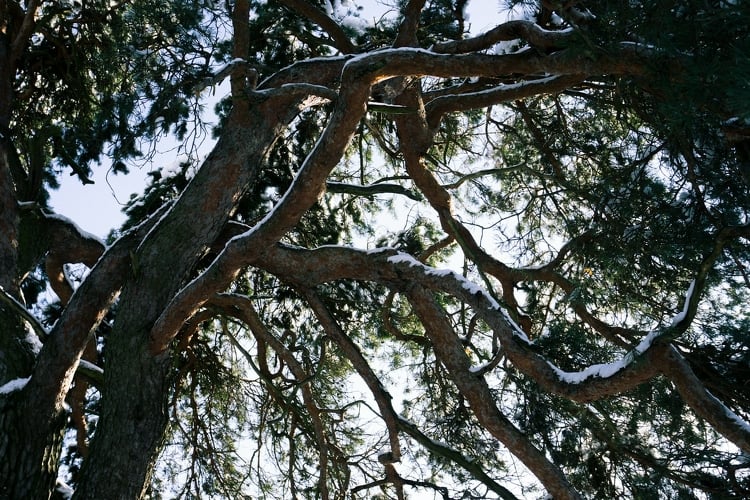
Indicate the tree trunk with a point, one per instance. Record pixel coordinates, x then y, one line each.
22 477
132 424
137 382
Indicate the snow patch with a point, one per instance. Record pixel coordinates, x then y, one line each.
604 370
81 232
647 341
91 366
688 297
377 250
739 422
65 491
32 339
346 13
14 385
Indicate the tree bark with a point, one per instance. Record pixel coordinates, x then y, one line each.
22 476
131 429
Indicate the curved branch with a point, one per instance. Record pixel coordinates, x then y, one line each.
18 44
320 71
24 313
393 420
396 270
536 36
442 105
407 30
647 360
241 307
67 244
358 75
297 90
352 352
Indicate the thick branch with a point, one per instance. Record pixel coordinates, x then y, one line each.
67 244
407 30
648 359
24 32
703 403
59 357
240 47
370 189
529 31
451 353
396 270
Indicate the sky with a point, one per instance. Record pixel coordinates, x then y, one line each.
97 208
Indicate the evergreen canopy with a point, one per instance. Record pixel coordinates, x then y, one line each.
415 264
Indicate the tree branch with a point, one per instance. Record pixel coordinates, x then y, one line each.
358 75
407 30
537 37
18 44
308 10
21 310
370 189
449 350
442 105
352 352
703 403
67 244
59 357
394 422
242 308
240 47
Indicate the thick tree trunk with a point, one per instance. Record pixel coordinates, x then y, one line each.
137 382
132 424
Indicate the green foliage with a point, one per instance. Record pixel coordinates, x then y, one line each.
96 79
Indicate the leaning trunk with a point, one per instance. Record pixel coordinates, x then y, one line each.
138 382
133 422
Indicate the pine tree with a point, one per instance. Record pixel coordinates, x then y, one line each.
416 262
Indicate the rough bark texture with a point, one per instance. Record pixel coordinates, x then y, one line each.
24 475
162 267
136 425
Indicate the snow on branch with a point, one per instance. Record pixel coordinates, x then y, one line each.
14 385
371 189
703 403
324 94
222 72
529 31
594 382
